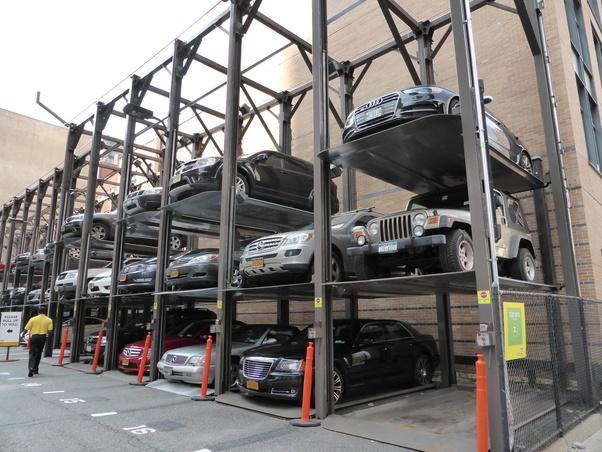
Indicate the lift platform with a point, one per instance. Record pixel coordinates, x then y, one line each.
107 245
403 156
253 216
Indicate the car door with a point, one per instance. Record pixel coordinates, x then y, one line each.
496 136
368 356
297 180
501 245
268 176
399 350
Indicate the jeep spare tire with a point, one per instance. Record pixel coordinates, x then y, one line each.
457 255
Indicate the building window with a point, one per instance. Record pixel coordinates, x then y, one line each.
584 79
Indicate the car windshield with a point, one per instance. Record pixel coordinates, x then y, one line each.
191 329
450 200
342 332
248 334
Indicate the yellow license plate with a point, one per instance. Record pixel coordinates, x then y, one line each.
174 274
252 385
125 362
257 263
177 178
123 278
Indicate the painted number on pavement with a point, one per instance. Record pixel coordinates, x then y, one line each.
140 430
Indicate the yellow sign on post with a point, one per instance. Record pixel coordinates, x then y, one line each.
484 296
515 331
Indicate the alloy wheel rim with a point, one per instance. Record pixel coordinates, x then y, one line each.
236 278
175 242
74 253
525 163
98 232
337 383
529 266
466 254
240 185
422 371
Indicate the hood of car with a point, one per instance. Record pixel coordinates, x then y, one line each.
291 350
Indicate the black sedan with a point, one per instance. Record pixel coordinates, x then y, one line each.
267 175
366 353
17 296
138 276
103 228
412 103
147 199
195 269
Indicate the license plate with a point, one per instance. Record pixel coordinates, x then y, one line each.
389 247
167 370
125 362
174 274
257 263
375 113
123 278
254 385
177 178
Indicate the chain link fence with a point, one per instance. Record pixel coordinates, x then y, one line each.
552 388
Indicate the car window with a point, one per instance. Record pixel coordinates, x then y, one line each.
193 329
248 334
514 213
495 133
274 161
293 165
396 331
280 334
371 334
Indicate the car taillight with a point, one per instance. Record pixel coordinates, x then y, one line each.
333 185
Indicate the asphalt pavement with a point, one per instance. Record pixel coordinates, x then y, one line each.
64 409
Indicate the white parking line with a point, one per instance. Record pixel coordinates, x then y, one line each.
52 392
108 413
4 373
16 378
203 450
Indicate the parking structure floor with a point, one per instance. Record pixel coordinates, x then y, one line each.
66 409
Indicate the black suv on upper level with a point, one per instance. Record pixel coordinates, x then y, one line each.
413 103
267 175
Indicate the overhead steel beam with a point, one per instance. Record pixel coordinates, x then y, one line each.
189 103
260 117
405 16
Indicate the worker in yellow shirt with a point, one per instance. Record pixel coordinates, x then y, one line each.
38 326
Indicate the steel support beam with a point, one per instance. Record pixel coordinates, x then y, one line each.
40 195
322 267
225 303
137 92
5 214
16 205
103 113
532 20
349 186
168 167
27 200
445 340
425 55
543 228
482 221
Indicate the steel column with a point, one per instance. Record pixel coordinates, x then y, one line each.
349 187
543 228
445 339
167 169
41 194
16 205
28 198
322 266
136 95
103 112
425 59
284 123
5 214
481 215
225 315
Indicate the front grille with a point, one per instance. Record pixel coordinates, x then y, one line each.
91 340
186 166
383 110
265 244
132 352
175 359
397 227
421 108
256 368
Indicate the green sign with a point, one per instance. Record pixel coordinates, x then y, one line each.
515 331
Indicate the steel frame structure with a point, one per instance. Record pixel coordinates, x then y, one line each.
324 69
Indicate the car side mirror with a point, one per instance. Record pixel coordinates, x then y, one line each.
487 99
261 158
335 171
270 340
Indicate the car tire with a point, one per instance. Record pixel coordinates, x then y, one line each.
237 278
176 242
242 184
99 231
524 161
457 255
523 266
452 105
338 382
338 272
233 374
423 371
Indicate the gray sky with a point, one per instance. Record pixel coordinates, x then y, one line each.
74 51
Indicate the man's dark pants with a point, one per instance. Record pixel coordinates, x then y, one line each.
36 347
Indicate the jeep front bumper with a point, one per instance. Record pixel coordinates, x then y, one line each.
394 246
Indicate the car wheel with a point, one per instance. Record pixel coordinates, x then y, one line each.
233 374
242 186
524 161
337 267
176 242
338 384
453 105
73 253
523 267
457 255
99 231
236 279
423 371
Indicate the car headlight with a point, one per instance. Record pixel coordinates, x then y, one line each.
373 228
207 161
103 341
163 357
419 219
205 258
290 365
350 120
153 191
298 238
418 231
196 361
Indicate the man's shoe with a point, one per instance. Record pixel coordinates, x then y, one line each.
30 374
35 372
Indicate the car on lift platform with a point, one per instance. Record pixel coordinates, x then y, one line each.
138 276
66 282
103 228
419 101
267 175
144 200
366 353
433 234
288 257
